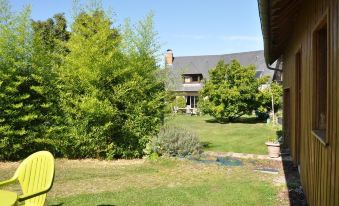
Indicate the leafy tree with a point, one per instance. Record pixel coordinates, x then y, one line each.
230 91
50 37
264 97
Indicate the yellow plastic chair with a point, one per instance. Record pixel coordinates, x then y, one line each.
35 175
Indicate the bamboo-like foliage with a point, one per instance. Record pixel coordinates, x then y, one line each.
91 92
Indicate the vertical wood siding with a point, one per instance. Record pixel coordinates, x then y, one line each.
319 163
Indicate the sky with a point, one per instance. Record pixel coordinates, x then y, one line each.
188 27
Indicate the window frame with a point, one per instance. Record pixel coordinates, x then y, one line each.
320 134
191 77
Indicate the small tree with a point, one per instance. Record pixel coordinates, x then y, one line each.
268 96
231 91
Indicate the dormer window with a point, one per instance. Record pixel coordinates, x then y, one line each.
188 79
195 78
192 78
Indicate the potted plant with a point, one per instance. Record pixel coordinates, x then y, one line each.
273 147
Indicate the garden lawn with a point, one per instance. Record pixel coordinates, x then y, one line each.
246 136
160 182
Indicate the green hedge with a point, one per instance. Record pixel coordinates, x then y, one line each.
92 92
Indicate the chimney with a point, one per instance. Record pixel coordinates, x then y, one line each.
169 57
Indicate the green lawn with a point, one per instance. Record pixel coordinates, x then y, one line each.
161 182
247 136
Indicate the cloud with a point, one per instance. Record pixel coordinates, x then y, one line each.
189 36
241 38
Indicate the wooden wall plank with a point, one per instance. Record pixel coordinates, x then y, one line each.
319 163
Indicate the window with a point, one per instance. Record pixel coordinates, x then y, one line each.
188 79
320 80
195 78
192 78
192 101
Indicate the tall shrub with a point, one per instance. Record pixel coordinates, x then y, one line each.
111 96
27 98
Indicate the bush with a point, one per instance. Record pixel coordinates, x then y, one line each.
175 141
180 102
261 113
111 95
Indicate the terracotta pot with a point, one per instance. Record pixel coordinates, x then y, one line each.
273 149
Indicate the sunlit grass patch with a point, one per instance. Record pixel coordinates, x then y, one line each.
245 136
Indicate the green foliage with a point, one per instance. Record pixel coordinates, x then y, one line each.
169 103
91 92
230 92
19 92
180 102
89 115
29 114
111 96
175 141
265 95
174 101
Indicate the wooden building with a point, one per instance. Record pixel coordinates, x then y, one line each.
303 35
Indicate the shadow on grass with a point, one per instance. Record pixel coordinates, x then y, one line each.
207 145
60 204
245 120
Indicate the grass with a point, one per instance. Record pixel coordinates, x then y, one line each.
161 182
245 136
172 181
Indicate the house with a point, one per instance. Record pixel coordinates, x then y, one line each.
304 36
192 71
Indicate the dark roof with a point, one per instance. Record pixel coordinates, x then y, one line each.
202 64
277 17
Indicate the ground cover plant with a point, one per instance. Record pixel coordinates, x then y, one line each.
248 135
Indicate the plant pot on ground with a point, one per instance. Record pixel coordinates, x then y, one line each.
273 148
